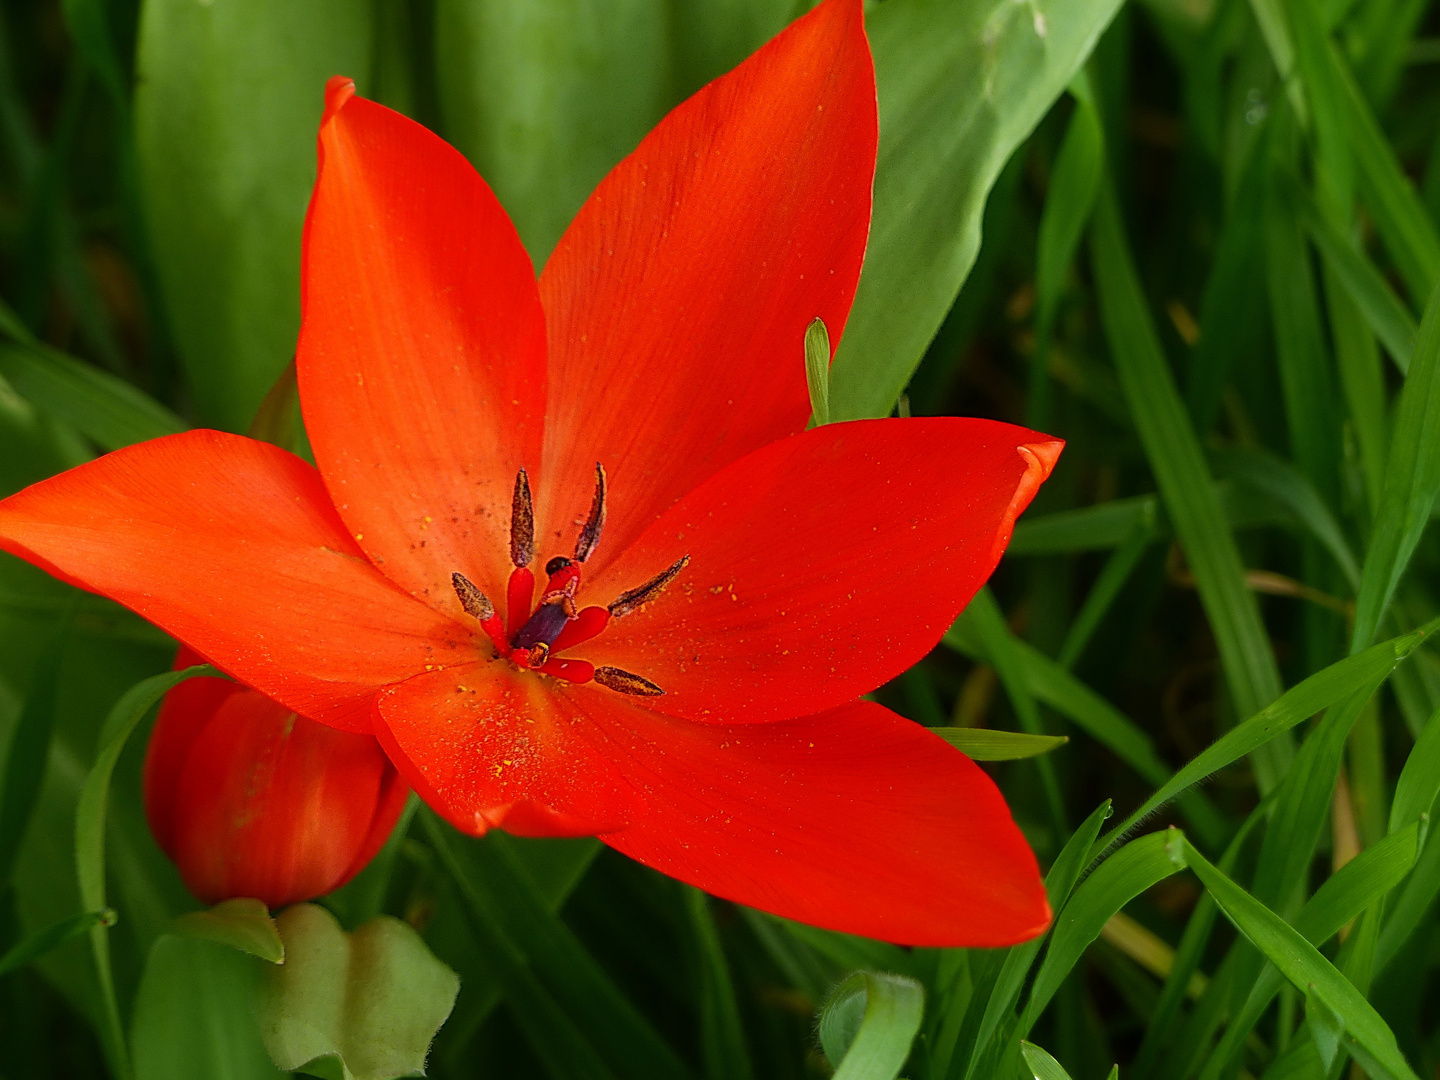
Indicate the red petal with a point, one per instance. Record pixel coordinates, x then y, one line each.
856 820
678 300
487 746
422 351
233 546
821 566
276 806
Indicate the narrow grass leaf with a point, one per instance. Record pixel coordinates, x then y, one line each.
1412 478
1385 313
1095 716
29 750
1414 904
553 1036
90 815
1179 467
1419 781
868 1024
1113 577
36 945
1059 883
1300 702
1311 973
984 744
722 1036
1342 897
1041 1065
1113 884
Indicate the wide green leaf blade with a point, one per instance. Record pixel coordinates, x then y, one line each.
1041 1065
194 1017
241 923
227 105
960 87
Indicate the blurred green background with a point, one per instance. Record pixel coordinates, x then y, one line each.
1194 238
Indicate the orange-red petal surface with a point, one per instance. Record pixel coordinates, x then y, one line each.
489 746
232 546
855 819
820 566
677 301
422 350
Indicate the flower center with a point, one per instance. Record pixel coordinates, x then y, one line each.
533 638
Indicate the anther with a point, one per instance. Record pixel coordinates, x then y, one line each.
631 599
522 523
474 601
590 534
626 682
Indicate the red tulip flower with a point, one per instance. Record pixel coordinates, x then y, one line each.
250 799
570 552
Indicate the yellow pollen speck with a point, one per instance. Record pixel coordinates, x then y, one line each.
359 536
812 746
461 689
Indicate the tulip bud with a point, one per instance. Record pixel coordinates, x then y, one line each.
251 799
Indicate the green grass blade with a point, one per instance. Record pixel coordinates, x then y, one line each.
27 756
1369 1037
1343 896
1113 884
1419 781
722 1037
552 1034
1113 576
1385 313
1412 478
1179 466
817 371
1299 703
90 815
1413 904
869 1023
1059 883
42 941
1090 712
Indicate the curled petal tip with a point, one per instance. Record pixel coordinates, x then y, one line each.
338 90
1039 458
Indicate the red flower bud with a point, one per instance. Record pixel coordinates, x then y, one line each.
252 799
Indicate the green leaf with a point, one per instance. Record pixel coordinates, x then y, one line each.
1385 313
194 1017
372 1000
1112 578
90 839
1090 712
868 1024
1179 466
227 103
1300 702
556 1039
1325 1028
1368 1038
241 923
1041 1065
722 1037
960 87
1059 882
27 755
1113 884
36 945
1419 781
1412 478
817 371
101 407
984 744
